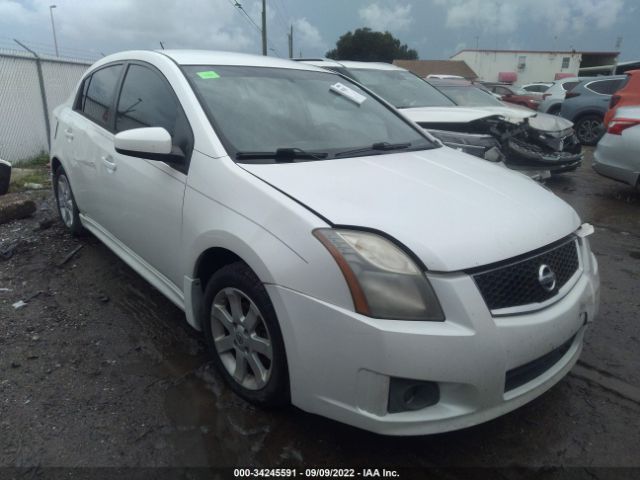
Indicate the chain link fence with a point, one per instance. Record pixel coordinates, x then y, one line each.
32 85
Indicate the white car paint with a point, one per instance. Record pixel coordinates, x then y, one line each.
451 211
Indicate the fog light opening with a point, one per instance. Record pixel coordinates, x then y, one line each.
411 395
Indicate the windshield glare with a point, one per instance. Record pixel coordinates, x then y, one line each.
470 96
260 109
401 88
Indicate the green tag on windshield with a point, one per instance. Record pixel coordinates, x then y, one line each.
208 75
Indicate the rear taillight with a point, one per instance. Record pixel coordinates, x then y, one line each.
614 100
571 95
619 125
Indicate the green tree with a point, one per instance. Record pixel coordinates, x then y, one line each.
368 46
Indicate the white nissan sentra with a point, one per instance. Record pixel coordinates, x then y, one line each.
333 254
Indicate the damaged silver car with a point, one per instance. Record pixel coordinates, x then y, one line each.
466 118
528 139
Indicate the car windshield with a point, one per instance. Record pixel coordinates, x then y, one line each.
470 96
298 114
401 88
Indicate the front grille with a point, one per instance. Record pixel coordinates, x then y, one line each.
525 373
517 283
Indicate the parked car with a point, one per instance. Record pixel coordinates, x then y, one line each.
587 103
542 150
540 87
627 95
334 255
491 131
5 176
617 155
554 96
515 95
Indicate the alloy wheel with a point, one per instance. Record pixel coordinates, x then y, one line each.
588 131
241 338
65 201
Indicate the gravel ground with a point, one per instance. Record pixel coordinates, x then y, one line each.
99 369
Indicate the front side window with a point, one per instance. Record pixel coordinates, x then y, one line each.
401 88
146 100
261 109
568 86
98 101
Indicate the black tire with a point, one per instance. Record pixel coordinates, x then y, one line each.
589 129
67 208
234 278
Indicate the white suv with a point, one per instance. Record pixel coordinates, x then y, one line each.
334 255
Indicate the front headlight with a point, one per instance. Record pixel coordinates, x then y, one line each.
476 144
384 281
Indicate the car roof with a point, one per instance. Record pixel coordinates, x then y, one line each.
318 62
210 57
370 65
449 82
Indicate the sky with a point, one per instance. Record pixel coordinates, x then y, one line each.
435 28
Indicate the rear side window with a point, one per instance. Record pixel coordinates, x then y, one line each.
605 87
568 86
97 96
147 100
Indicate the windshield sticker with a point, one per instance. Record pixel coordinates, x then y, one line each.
347 93
208 75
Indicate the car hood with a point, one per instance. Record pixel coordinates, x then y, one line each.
446 114
452 210
515 114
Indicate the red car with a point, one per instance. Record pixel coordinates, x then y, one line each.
628 95
518 96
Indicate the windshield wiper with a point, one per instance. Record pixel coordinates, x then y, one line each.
376 147
284 155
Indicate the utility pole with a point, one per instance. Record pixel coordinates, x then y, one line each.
615 62
291 42
264 27
53 27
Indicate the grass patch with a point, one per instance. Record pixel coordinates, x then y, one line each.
22 177
40 160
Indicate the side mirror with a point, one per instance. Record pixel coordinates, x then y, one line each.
151 143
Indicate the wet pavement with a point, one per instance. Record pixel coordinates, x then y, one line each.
99 369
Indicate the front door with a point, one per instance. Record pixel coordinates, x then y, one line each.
142 202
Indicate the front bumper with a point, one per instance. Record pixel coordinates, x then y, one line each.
341 363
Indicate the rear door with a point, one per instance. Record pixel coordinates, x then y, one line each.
142 205
88 129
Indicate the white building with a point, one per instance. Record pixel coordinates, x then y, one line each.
528 66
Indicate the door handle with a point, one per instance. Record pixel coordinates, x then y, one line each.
68 133
109 163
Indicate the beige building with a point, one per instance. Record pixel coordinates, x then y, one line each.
527 66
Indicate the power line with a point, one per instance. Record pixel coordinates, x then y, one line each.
239 6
